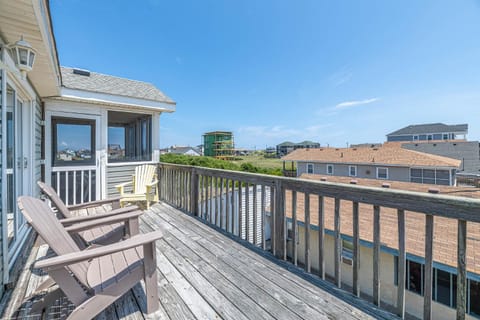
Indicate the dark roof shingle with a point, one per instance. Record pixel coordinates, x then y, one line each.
430 128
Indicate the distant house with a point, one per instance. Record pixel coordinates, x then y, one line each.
188 151
286 147
429 132
382 163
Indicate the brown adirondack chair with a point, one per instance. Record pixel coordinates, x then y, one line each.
105 234
92 279
143 182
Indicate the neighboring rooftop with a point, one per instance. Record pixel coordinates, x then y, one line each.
445 236
101 83
369 156
431 128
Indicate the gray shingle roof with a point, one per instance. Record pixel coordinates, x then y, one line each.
430 128
102 83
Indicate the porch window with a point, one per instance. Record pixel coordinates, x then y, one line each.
73 141
129 137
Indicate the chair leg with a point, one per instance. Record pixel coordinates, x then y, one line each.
46 301
150 267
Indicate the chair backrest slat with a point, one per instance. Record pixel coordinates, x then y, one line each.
55 198
143 174
40 216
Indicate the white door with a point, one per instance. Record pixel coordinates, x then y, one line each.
72 162
16 170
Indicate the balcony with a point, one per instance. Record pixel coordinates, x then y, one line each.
236 247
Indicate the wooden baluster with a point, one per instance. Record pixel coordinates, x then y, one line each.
263 224
461 269
338 243
356 251
307 232
376 255
215 200
221 220
428 274
227 206
321 237
240 210
279 220
255 218
294 227
401 269
247 212
273 203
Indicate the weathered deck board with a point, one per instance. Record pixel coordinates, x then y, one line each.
205 274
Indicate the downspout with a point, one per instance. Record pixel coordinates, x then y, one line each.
4 172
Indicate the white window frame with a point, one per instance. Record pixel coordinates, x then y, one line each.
416 137
333 169
350 171
386 170
445 134
313 168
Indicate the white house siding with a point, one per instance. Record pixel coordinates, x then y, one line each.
363 171
388 290
38 128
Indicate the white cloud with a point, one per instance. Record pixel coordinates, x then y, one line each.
64 144
354 103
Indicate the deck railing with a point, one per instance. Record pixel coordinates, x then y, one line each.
253 207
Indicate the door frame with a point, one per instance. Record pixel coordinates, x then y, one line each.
27 97
74 114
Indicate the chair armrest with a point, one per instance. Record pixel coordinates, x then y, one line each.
75 257
91 204
104 221
152 183
78 219
121 185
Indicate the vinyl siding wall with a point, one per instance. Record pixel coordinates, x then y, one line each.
363 171
38 136
468 152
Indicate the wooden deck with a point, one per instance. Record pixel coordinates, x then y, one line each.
205 274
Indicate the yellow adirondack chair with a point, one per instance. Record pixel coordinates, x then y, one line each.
144 186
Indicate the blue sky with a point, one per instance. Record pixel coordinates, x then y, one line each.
335 72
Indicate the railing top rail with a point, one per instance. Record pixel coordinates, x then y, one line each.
436 204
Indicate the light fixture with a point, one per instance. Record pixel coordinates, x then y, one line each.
23 55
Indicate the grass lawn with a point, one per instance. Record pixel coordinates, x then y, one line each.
260 161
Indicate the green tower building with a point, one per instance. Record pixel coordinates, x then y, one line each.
219 144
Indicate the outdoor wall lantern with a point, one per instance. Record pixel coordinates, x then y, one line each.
23 55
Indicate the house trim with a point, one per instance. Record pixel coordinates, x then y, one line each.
113 100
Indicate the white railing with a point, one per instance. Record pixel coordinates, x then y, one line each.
75 185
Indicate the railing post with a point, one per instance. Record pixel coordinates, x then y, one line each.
278 229
194 192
